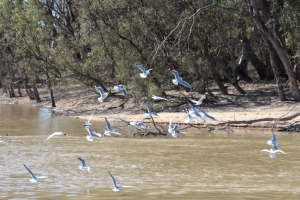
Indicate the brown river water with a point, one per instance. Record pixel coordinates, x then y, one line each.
207 165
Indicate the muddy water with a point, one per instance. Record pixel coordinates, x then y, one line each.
216 165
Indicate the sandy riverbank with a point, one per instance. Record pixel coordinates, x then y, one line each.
260 102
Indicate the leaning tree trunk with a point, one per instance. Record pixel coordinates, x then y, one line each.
50 89
279 49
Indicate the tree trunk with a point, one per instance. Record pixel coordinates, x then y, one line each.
50 89
279 49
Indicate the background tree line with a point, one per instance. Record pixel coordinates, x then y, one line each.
98 43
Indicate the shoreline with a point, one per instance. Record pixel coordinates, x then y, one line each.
81 101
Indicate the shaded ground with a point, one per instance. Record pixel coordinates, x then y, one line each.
261 101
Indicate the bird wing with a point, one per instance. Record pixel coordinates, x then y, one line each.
30 172
175 74
279 151
184 83
141 68
148 107
171 125
108 126
55 133
88 122
207 115
100 89
113 180
266 150
82 161
88 128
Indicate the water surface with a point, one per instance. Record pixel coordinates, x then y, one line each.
208 165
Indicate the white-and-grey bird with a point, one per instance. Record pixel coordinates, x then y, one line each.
195 112
158 98
172 129
55 133
273 142
178 79
120 88
145 72
109 130
200 101
272 152
91 133
150 113
138 124
83 165
102 93
116 187
34 177
190 116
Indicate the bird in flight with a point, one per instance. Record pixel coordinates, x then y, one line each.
145 72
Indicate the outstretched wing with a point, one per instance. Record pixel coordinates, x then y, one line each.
108 126
274 142
141 68
82 161
175 73
184 83
88 128
207 115
30 172
148 107
100 89
113 180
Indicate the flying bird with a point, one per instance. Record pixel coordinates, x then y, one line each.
83 165
195 112
91 133
145 72
34 177
272 152
207 115
158 98
119 88
172 129
150 113
273 142
102 93
138 124
200 101
116 187
55 133
109 130
178 79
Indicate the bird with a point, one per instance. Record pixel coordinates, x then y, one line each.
138 124
55 133
116 187
83 165
109 130
158 98
150 113
272 152
273 142
145 72
172 129
178 79
91 133
1 140
190 116
195 112
34 177
120 88
200 101
102 93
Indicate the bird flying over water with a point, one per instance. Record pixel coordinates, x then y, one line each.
109 130
172 129
116 187
195 112
55 133
83 165
158 98
91 133
178 79
34 177
120 88
272 152
102 93
273 142
145 72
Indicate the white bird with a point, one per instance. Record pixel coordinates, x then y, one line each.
91 133
158 98
200 101
150 113
109 130
273 142
178 79
195 112
119 88
34 177
190 116
138 124
272 152
83 165
55 133
116 187
102 93
145 72
172 129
